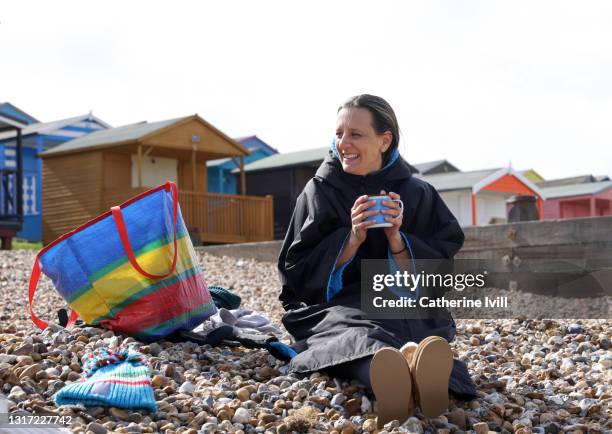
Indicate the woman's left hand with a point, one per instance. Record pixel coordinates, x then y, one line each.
393 216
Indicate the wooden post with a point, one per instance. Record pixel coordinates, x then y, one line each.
7 240
593 208
139 165
193 170
540 212
242 177
473 209
270 215
19 181
561 209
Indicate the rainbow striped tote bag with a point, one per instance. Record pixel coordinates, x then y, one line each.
132 270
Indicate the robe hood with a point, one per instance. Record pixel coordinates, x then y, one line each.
332 173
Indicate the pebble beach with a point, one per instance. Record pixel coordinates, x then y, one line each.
534 376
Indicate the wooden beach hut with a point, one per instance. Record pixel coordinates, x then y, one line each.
283 176
588 199
86 176
11 177
478 197
37 137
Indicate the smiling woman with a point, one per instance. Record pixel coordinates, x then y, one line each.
320 268
366 138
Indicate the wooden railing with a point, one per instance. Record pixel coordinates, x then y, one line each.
9 201
228 218
117 196
217 218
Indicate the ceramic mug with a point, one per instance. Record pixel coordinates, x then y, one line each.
378 206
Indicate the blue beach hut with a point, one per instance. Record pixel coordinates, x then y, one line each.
37 137
220 176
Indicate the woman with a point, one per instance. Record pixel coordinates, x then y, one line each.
320 264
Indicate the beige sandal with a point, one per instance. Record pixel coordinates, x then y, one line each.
392 386
431 365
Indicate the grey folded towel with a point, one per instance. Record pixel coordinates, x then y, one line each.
245 319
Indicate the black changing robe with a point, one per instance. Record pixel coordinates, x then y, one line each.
328 333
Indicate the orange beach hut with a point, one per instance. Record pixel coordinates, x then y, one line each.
479 197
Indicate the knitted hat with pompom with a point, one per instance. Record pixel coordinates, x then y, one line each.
118 378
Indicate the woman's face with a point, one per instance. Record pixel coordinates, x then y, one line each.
358 144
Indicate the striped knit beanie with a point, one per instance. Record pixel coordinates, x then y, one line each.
119 378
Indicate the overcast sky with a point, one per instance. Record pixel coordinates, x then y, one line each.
478 83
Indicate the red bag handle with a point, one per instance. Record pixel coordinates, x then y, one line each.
34 277
118 216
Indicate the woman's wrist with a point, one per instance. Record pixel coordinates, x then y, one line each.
396 243
353 241
348 251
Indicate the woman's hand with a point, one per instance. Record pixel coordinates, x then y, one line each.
359 214
395 217
359 228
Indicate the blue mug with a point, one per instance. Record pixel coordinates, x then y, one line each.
378 206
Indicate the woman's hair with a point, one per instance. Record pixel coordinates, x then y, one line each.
383 116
